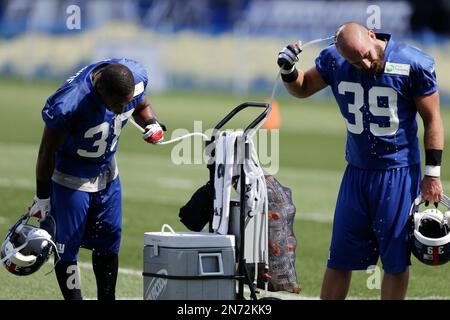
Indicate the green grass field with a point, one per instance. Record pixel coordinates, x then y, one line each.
312 141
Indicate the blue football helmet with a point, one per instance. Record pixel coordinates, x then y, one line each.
26 247
430 233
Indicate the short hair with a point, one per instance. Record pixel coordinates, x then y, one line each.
117 80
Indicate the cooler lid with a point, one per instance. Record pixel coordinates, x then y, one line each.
188 240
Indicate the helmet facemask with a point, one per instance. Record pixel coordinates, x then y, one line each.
26 248
430 233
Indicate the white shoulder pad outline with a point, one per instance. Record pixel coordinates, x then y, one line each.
138 89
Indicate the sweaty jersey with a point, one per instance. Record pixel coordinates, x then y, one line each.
92 130
379 110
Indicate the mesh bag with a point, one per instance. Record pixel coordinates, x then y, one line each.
282 242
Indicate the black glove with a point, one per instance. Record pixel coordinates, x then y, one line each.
286 61
163 126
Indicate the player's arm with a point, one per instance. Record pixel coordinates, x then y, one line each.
298 83
50 142
306 84
143 113
146 118
429 110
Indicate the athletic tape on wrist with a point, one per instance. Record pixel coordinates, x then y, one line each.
284 71
433 171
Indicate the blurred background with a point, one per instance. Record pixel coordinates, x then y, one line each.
203 57
227 45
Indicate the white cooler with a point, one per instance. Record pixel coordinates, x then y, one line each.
188 266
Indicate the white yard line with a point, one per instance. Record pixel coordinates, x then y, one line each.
184 184
117 298
280 295
314 216
16 183
131 272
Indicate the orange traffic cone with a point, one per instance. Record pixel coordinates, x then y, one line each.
274 119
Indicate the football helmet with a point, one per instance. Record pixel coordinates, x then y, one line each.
26 247
430 233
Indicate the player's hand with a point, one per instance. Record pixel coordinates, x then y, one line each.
40 208
288 56
431 189
153 133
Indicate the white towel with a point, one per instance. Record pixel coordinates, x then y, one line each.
225 170
256 203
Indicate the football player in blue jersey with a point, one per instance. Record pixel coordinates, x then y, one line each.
78 193
380 85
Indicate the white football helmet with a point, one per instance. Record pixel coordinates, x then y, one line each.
430 233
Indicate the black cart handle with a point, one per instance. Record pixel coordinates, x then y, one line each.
239 108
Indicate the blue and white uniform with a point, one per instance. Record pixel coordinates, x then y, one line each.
86 193
383 174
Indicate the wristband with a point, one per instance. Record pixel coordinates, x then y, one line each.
153 121
433 171
43 189
150 121
433 157
290 77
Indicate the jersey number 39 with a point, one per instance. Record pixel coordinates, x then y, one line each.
374 93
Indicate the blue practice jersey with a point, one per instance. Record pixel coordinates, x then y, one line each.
92 130
379 110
